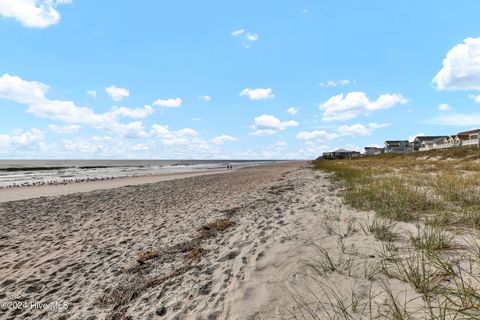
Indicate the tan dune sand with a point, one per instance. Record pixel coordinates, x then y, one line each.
224 246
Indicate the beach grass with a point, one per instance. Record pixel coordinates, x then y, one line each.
438 194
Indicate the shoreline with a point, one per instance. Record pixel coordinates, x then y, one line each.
31 192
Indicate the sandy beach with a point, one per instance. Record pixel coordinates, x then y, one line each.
237 245
82 249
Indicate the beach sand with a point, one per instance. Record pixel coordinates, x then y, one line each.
223 246
19 193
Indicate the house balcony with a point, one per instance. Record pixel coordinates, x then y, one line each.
443 145
471 142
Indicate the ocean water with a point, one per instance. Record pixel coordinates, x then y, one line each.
18 172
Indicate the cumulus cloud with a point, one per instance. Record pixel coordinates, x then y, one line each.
184 136
345 107
475 98
205 98
359 129
257 94
411 138
247 37
461 67
23 144
32 13
267 125
320 135
133 113
334 83
444 107
292 110
223 138
19 90
116 93
33 94
168 103
65 129
92 93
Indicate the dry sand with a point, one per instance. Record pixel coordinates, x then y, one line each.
226 246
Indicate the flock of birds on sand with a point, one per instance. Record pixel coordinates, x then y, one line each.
62 182
71 181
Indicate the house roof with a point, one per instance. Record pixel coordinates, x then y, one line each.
342 151
372 147
429 138
468 132
396 141
439 139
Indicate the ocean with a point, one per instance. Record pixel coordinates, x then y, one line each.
18 172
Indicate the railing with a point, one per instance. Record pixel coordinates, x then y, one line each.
470 142
443 145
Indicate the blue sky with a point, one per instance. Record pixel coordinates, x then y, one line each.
222 79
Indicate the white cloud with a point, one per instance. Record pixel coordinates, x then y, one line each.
461 67
223 138
32 13
344 107
186 136
359 129
267 124
334 83
257 94
116 93
238 32
411 138
444 107
292 110
281 144
23 144
65 129
247 37
320 135
458 119
168 103
133 113
205 98
17 89
475 98
92 93
33 94
196 119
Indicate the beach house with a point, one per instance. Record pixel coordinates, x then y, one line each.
340 154
469 138
423 143
373 151
397 146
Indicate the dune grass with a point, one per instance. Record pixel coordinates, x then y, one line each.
438 191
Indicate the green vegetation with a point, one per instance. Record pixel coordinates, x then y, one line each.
439 191
438 186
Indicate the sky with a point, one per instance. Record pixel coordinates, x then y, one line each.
270 79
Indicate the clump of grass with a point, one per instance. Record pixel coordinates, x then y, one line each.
431 239
210 229
414 269
144 256
389 196
471 216
381 230
195 254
